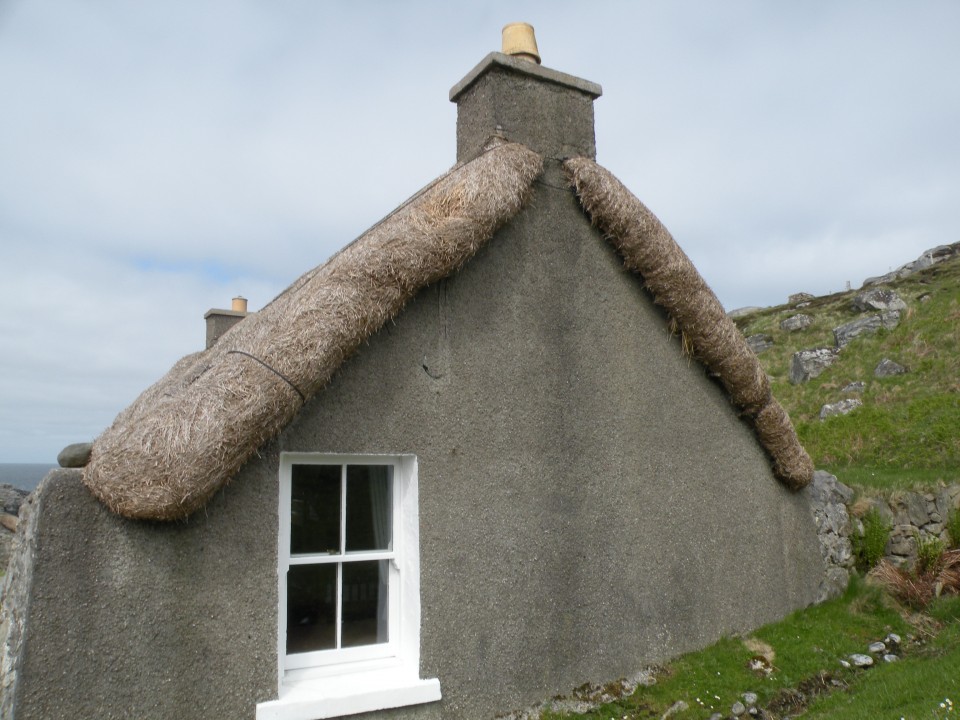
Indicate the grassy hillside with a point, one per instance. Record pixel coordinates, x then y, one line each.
908 430
803 675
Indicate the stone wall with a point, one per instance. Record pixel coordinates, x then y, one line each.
912 515
909 514
829 499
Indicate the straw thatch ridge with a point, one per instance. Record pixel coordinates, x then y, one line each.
187 435
649 250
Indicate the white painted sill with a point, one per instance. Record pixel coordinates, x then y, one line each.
338 695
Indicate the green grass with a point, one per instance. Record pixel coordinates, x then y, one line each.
892 478
906 432
806 644
911 688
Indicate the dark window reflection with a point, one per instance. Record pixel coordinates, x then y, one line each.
365 603
315 509
369 505
311 608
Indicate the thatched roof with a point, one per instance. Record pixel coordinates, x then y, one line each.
187 435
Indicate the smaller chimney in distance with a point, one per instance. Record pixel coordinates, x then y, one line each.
219 321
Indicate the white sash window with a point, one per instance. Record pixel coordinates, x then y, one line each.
349 587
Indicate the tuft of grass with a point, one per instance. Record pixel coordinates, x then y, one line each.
929 554
868 548
953 528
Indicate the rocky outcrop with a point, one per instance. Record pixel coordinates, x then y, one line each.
927 259
808 364
877 299
887 320
11 498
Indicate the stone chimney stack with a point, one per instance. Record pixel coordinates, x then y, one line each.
219 321
514 98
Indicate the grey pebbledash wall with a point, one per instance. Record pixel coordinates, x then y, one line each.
586 495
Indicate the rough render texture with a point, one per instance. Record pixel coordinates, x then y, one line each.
508 98
589 500
127 619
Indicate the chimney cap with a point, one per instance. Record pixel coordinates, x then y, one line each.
511 63
520 41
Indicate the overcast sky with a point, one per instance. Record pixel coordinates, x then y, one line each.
158 158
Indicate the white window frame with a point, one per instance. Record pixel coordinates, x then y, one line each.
331 683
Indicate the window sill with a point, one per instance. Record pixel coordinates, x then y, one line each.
347 695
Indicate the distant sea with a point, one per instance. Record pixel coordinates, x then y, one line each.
24 475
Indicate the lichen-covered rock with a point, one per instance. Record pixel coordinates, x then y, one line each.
796 322
807 364
877 299
888 368
840 408
887 320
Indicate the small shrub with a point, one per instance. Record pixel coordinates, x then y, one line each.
953 528
868 548
917 587
929 554
904 585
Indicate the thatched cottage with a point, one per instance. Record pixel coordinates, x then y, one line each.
504 443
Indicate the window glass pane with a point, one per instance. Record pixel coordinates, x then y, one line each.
315 509
311 607
365 603
369 507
